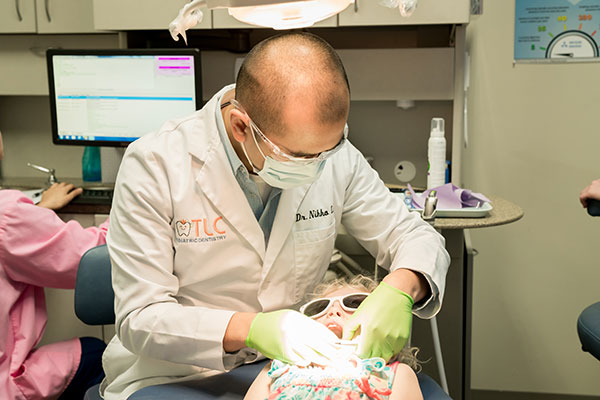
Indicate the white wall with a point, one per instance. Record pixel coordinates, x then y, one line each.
535 140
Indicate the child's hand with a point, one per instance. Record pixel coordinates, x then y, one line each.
59 195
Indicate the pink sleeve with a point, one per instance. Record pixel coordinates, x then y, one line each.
37 247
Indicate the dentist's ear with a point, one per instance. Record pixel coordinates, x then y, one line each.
240 123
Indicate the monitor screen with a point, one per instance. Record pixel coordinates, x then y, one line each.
113 97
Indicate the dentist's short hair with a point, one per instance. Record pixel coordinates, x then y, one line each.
273 70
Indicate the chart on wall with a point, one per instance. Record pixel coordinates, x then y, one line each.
557 30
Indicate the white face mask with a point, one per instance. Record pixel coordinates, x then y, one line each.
285 174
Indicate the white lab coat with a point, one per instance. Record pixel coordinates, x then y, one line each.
187 251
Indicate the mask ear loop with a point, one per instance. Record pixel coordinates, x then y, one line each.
254 169
256 142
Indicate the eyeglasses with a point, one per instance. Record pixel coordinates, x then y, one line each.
282 154
318 307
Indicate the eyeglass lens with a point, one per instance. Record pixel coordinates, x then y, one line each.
316 307
354 300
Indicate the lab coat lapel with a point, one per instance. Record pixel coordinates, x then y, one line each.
219 185
284 220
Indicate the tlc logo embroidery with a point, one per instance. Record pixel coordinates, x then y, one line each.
200 230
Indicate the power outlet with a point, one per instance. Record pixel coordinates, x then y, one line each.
405 171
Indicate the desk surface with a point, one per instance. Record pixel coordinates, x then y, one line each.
503 212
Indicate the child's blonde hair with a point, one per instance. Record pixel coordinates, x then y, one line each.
408 355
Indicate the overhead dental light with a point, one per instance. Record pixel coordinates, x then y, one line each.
289 14
276 14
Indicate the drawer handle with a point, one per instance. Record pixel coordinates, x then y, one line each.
17 5
47 6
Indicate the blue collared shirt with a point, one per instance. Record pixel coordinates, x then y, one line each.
264 213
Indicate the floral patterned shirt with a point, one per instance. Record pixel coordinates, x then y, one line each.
355 379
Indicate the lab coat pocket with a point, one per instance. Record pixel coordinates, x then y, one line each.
312 253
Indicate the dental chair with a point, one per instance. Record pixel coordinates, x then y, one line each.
94 305
588 329
588 323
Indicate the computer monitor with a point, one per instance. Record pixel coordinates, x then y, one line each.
113 97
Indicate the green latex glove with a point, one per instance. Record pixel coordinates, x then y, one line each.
384 319
292 337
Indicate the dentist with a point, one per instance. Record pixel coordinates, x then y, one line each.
223 221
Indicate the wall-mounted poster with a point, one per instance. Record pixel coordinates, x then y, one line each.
557 30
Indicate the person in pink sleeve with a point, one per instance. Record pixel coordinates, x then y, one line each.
37 250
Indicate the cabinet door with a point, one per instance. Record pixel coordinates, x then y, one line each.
17 16
140 14
23 59
373 73
369 12
222 20
64 16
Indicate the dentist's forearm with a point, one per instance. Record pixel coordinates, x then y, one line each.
410 282
237 331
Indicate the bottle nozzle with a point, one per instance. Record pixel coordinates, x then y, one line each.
437 125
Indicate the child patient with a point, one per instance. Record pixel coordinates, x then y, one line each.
348 377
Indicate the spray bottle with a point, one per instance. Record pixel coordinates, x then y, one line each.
436 154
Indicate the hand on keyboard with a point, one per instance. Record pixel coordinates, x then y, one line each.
58 195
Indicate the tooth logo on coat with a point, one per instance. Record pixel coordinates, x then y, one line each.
200 230
183 227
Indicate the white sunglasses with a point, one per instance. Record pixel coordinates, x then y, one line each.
318 307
